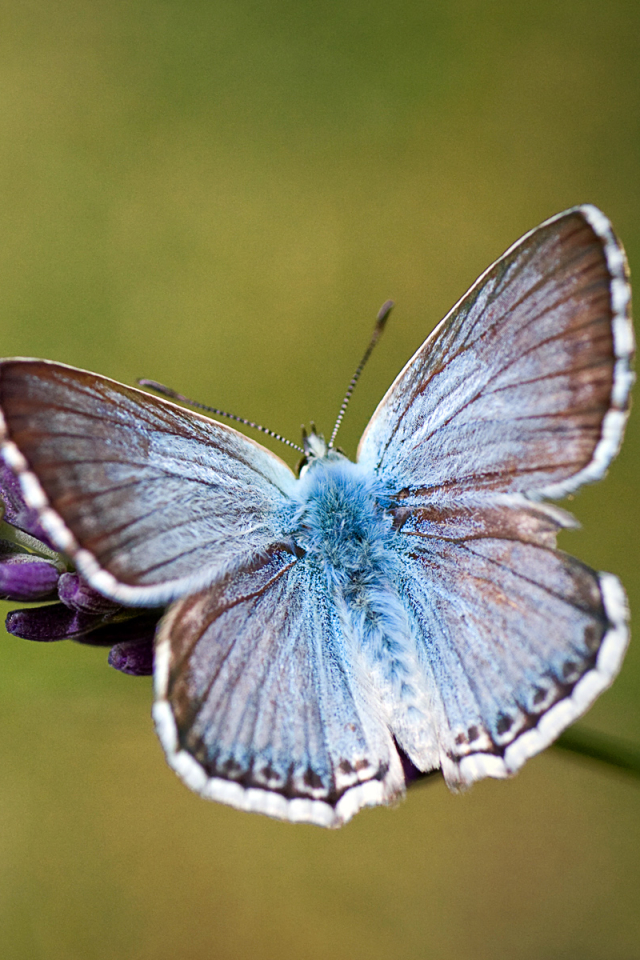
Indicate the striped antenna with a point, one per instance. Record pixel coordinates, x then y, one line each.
173 395
383 315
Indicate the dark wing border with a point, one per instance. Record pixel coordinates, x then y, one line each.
476 766
615 419
295 809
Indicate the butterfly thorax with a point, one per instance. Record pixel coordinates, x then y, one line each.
340 521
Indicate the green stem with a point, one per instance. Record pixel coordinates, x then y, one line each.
25 540
599 746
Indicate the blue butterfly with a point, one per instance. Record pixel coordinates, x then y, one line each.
413 599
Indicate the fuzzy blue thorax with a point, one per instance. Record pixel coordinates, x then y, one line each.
340 521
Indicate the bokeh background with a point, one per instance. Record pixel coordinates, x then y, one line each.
220 195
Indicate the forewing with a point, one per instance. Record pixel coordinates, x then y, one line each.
257 705
150 499
523 387
518 639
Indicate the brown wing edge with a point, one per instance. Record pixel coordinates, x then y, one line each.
614 421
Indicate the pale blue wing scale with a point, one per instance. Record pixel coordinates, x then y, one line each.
517 639
151 500
523 387
258 705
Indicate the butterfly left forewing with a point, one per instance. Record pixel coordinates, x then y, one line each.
151 500
258 705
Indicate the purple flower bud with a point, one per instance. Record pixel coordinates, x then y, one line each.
76 594
54 622
24 577
134 658
16 512
58 622
136 629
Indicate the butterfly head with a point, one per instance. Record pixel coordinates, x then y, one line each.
315 448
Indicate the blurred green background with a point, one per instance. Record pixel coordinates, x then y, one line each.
220 195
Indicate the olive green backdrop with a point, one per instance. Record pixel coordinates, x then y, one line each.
220 195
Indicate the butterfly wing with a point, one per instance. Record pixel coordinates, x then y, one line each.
523 387
152 501
515 638
257 702
520 393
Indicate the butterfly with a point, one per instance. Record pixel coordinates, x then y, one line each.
413 600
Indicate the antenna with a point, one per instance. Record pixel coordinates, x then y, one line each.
383 315
173 395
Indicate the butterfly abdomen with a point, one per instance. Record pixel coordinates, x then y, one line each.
348 535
